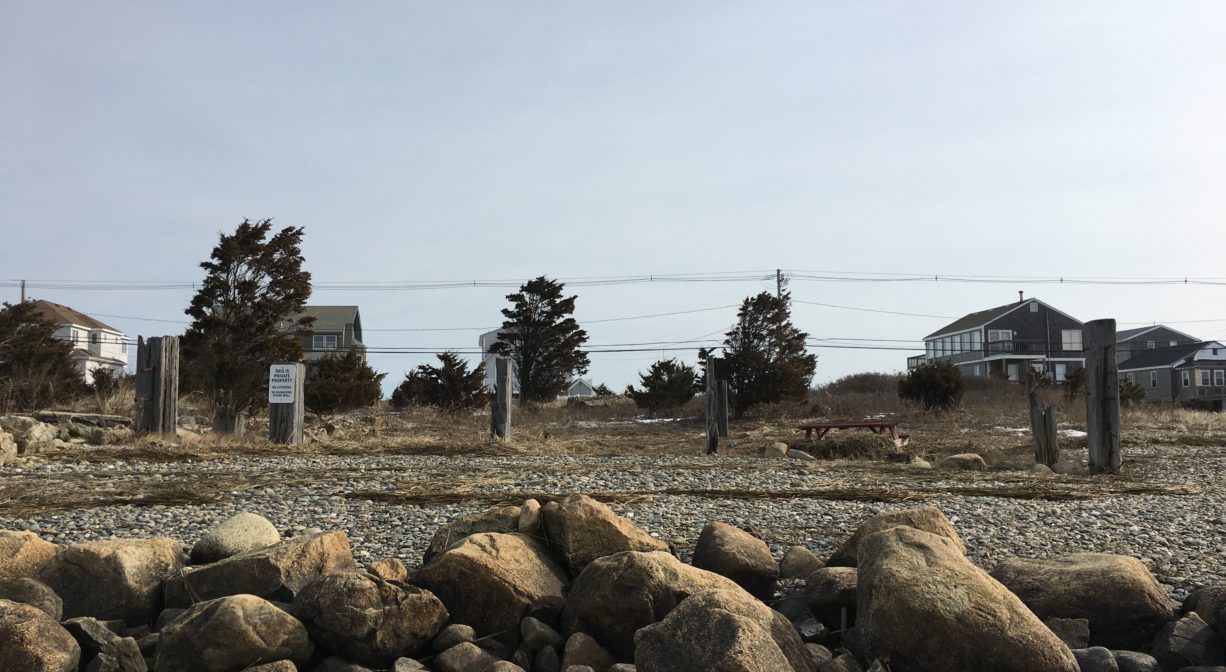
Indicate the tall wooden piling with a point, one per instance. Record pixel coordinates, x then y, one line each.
157 385
500 410
712 403
286 411
1102 396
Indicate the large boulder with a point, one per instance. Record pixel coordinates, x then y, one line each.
494 519
923 606
798 563
22 554
491 581
117 579
963 462
581 529
34 593
241 533
926 518
831 593
1208 603
732 552
228 634
724 630
1123 602
121 654
30 641
618 594
39 438
276 573
367 619
1188 642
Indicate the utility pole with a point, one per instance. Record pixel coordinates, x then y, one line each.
23 291
778 283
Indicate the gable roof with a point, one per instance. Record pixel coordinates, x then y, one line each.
1164 356
977 319
1129 334
333 318
61 314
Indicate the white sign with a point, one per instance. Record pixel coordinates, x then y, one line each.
281 383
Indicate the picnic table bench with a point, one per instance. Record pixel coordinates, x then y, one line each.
874 426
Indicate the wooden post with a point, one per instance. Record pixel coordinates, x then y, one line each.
712 423
500 411
721 409
285 407
1102 396
157 385
1042 425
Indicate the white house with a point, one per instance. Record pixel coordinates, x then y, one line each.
579 388
95 344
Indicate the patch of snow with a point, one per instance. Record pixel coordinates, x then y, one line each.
1072 433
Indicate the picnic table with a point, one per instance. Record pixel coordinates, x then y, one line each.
874 426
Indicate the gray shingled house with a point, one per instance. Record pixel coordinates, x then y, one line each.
1129 342
336 329
1180 373
1001 341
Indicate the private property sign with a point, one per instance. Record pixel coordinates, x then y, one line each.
281 383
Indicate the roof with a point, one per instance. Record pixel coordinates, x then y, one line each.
1129 334
977 319
61 314
1164 356
332 318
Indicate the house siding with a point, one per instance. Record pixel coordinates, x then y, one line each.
1036 337
1161 336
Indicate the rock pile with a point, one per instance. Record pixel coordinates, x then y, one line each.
568 586
33 434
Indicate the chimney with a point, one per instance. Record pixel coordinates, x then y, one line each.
1019 296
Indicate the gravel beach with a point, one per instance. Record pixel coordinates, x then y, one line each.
391 504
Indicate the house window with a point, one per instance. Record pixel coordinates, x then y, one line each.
1149 345
1061 372
1204 377
95 337
1013 370
1153 379
931 348
1174 343
999 335
1034 307
977 370
976 340
1132 378
1186 378
323 342
1070 340
74 336
123 347
1219 377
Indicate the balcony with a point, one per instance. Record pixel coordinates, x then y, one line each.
1016 346
915 361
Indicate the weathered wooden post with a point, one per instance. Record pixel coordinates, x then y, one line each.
285 407
500 411
721 409
157 385
1102 396
712 397
1042 426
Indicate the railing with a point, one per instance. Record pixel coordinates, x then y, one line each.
915 361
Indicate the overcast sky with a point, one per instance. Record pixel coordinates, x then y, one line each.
495 140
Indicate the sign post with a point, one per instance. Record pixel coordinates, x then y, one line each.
285 408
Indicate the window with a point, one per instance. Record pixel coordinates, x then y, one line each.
1149 345
323 342
1185 378
1070 340
976 340
977 370
1219 377
1174 343
1061 372
999 335
1013 370
95 337
1034 307
123 347
931 348
74 336
1204 377
1153 379
1132 378
964 342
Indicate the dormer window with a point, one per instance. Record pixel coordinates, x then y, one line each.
95 338
323 342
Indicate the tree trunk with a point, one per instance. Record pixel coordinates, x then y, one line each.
229 421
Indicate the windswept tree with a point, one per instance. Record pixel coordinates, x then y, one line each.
450 387
666 386
542 338
764 354
339 383
36 368
243 317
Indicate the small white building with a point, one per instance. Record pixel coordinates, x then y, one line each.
94 344
579 388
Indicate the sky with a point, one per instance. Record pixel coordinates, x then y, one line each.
476 141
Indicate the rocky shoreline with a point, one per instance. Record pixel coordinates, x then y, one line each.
569 586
